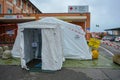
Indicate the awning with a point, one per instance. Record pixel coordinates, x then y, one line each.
112 29
12 21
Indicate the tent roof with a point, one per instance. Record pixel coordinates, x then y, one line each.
61 23
56 21
44 21
36 24
49 22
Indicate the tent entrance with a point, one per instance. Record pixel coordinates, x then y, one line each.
32 47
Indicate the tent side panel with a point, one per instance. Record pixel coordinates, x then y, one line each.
16 47
52 56
75 45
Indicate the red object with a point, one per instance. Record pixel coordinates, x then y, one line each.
71 8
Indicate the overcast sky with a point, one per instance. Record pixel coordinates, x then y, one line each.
105 13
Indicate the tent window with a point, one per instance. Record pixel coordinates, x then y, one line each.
9 11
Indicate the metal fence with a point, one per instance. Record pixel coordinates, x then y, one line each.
8 34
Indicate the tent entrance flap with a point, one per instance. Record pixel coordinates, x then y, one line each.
32 46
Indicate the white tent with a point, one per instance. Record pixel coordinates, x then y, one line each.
52 40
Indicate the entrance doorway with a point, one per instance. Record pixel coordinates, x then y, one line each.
32 48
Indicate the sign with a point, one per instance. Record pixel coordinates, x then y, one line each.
10 32
78 9
34 44
13 16
88 30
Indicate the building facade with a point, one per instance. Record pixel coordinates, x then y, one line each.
8 31
19 11
81 19
113 31
17 6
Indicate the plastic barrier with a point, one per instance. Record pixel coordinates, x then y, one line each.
112 44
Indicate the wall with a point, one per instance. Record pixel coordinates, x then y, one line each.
17 8
82 24
116 32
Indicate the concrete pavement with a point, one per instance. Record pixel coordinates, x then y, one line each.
16 73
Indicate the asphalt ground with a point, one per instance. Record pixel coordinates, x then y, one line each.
16 73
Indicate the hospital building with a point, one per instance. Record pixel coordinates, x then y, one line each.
13 12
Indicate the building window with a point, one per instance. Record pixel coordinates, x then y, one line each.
0 8
15 2
24 5
18 3
35 11
30 10
10 1
9 11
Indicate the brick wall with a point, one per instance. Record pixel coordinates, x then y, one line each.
18 7
82 24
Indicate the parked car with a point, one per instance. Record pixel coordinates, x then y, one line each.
113 38
110 38
117 39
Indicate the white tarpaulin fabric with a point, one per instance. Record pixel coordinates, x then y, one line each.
59 39
73 40
52 49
